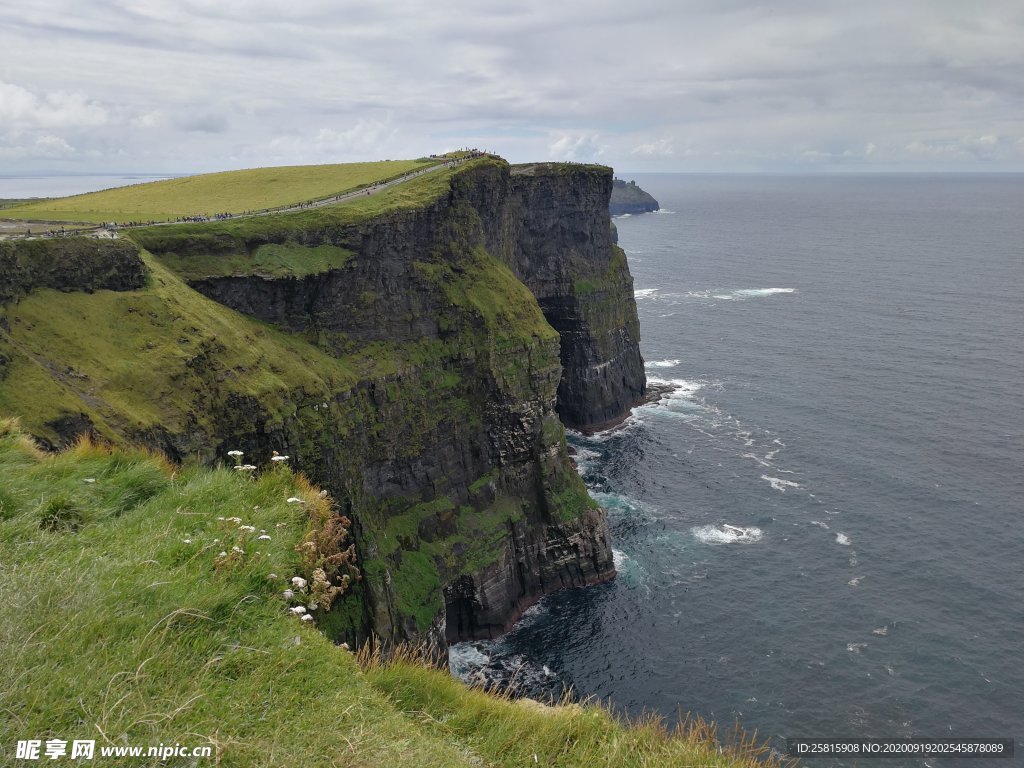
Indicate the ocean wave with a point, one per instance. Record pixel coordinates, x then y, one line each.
843 539
739 294
856 647
820 524
661 363
725 534
619 559
465 658
755 292
779 484
618 503
643 293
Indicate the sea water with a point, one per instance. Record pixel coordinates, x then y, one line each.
848 365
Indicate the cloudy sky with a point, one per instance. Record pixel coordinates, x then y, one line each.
119 86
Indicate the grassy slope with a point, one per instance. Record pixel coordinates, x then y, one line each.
140 355
114 628
211 193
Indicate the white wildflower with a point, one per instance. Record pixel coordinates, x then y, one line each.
239 550
187 541
271 575
306 617
279 458
323 493
222 554
299 583
236 454
295 500
90 480
313 606
264 537
249 528
298 609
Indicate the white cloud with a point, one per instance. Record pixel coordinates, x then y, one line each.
576 146
655 85
22 108
661 147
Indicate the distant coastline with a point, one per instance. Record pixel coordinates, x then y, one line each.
627 197
23 187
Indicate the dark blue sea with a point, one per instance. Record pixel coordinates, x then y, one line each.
820 533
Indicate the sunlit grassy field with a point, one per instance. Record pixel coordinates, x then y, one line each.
213 193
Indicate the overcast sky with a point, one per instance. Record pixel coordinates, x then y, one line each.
114 86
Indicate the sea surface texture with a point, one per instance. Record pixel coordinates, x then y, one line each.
820 533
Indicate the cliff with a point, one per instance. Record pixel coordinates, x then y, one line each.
412 353
629 198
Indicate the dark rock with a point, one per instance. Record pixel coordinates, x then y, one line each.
627 197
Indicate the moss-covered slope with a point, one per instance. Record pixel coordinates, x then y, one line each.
142 605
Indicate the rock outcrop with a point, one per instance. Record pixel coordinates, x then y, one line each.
627 197
449 344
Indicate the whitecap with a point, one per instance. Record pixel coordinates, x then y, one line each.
855 647
661 363
643 293
855 581
882 631
843 539
661 210
725 534
820 524
755 292
779 484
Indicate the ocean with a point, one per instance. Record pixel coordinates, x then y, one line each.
819 533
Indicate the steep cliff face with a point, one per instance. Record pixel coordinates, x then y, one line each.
415 377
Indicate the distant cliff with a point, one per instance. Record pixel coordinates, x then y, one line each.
412 353
627 197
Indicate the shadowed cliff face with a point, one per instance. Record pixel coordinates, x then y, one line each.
549 224
438 432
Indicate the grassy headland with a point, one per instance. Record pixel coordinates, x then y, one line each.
213 193
128 616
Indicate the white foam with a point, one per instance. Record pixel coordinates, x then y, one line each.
754 292
779 484
725 534
661 363
758 459
855 581
619 558
843 539
820 524
643 293
465 658
855 647
660 210
882 631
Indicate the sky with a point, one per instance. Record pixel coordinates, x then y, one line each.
185 86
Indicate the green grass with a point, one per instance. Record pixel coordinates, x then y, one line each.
270 260
212 193
123 624
150 357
